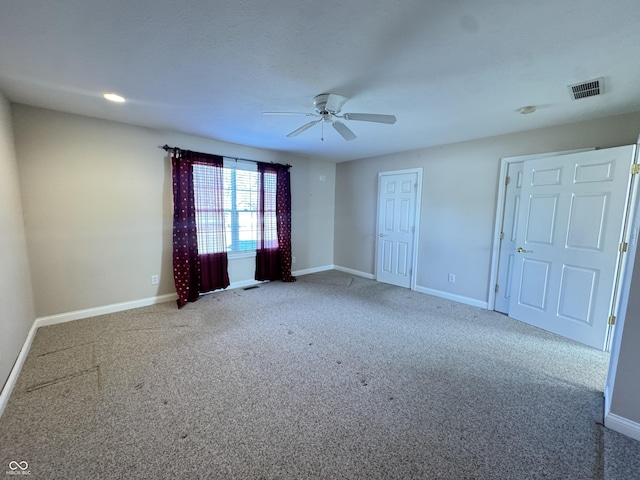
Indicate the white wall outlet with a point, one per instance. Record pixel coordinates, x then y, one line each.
452 278
155 279
323 178
293 259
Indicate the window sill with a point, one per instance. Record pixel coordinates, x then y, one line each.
235 255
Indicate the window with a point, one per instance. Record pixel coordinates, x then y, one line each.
241 194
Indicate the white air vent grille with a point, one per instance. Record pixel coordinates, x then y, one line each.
586 89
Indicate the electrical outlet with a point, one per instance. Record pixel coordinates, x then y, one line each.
155 279
452 278
293 259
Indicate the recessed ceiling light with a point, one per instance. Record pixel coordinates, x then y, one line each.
113 97
527 110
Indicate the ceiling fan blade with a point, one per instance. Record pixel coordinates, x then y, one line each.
335 102
345 131
370 117
303 128
291 113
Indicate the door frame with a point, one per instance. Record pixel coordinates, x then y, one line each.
631 236
416 233
499 216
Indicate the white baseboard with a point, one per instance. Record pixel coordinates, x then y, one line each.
357 273
96 311
622 425
17 367
307 271
450 296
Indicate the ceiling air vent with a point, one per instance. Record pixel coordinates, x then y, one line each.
586 89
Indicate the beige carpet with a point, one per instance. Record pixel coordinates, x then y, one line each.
329 377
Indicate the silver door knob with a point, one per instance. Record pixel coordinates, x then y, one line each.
522 250
382 235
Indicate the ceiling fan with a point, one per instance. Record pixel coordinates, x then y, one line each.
328 106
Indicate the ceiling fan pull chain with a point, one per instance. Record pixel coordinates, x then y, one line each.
322 132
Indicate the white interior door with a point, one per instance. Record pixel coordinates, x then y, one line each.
397 218
568 237
508 240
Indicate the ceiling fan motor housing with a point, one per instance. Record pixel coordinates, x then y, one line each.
329 103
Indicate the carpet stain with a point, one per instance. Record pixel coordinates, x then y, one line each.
339 362
184 435
55 381
138 386
155 329
66 348
290 332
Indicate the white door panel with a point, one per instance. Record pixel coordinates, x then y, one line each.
397 201
569 231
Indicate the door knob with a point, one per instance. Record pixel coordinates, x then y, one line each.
382 235
522 250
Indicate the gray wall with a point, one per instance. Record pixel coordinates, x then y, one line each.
97 200
625 380
625 398
16 297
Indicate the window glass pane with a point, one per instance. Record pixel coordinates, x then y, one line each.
240 197
247 228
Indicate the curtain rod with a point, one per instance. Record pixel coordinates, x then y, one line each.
166 148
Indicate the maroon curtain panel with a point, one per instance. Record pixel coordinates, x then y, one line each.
267 254
186 264
283 214
194 273
273 250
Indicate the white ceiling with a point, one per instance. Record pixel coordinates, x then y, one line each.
449 70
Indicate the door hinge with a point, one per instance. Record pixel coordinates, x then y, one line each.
507 180
501 235
623 247
612 320
497 288
635 169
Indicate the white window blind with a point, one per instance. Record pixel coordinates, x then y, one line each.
241 198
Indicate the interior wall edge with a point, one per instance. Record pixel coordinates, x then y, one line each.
5 394
456 298
308 271
357 273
